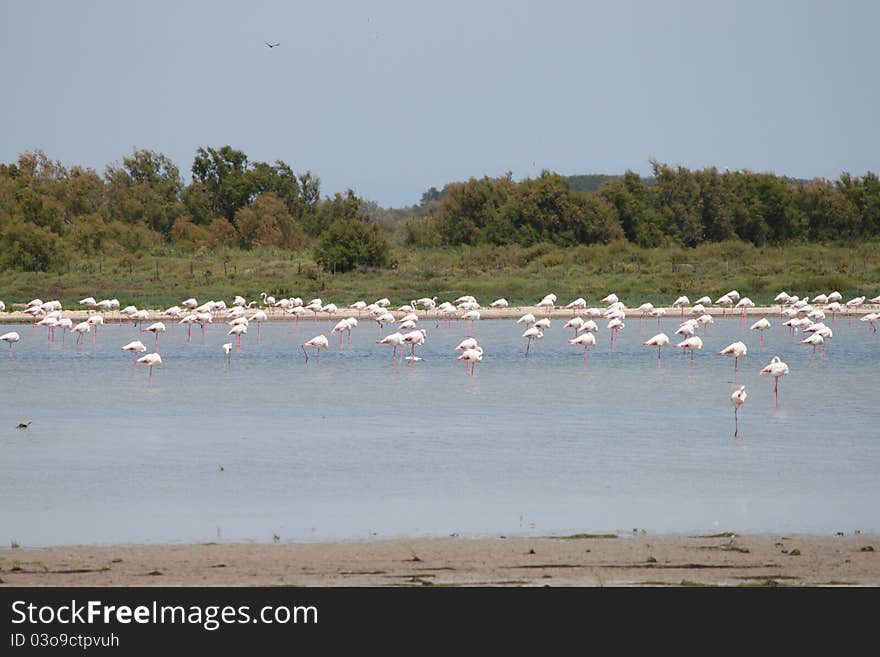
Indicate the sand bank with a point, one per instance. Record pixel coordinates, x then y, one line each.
582 560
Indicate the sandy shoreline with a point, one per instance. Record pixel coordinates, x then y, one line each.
580 560
276 314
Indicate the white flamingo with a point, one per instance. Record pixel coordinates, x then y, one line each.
659 340
737 350
10 338
777 369
152 360
317 343
738 398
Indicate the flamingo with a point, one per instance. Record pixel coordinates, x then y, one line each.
330 309
611 298
384 302
586 340
2 307
724 301
359 306
737 350
528 319
777 369
499 303
645 309
96 321
427 303
472 357
820 299
548 303
615 325
681 302
745 303
239 301
173 312
137 346
816 340
588 326
341 326
49 322
238 330
415 339
318 342
473 316
575 323
227 349
835 296
738 398
79 329
65 324
189 320
761 325
576 305
267 299
871 318
658 313
855 303
703 301
532 334
11 338
153 360
259 317
315 306
543 324
467 343
155 329
692 343
88 302
659 340
395 340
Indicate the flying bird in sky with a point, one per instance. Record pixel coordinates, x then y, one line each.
271 45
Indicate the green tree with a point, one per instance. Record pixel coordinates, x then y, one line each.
349 243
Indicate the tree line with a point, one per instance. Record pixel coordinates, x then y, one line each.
674 206
50 213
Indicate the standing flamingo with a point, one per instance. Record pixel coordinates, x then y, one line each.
738 398
816 340
500 304
659 340
473 316
414 339
532 334
137 347
472 357
238 330
155 329
11 338
692 343
681 302
259 317
586 340
79 329
227 349
737 350
574 323
777 369
761 325
548 303
318 342
153 360
96 321
576 305
395 340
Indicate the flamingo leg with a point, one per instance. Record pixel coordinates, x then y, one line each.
776 392
736 422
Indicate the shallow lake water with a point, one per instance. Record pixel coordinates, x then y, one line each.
355 447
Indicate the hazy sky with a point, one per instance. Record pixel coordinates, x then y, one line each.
390 98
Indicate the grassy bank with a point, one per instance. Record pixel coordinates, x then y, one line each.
522 275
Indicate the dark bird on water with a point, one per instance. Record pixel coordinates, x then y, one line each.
23 425
271 45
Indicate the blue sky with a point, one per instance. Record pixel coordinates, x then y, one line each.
390 98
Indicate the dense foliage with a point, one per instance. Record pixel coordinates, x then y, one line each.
51 215
675 206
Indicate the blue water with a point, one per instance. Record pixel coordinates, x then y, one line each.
355 447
